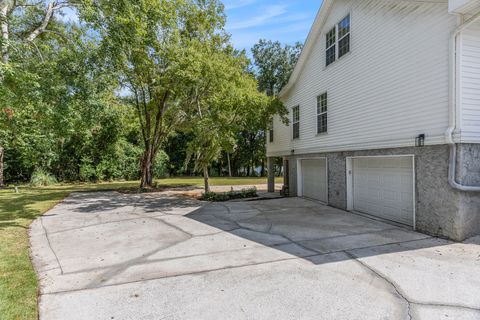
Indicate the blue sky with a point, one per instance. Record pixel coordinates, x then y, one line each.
287 21
248 21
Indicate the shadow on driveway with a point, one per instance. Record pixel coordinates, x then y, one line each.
274 248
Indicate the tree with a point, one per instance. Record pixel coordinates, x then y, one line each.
59 112
274 64
224 99
149 42
19 36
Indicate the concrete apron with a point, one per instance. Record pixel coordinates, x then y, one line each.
114 256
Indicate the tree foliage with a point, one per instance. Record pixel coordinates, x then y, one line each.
100 99
58 108
225 100
151 43
274 63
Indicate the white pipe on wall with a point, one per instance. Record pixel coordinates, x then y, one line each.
453 107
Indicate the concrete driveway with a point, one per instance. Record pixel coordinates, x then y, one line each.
114 256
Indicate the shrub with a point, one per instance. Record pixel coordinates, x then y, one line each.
88 172
160 167
41 178
231 195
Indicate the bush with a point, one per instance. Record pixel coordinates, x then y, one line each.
88 173
41 178
160 166
231 195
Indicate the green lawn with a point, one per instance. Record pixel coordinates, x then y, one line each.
18 282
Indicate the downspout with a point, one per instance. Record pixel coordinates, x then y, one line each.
453 108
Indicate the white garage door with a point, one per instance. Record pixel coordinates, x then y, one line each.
314 179
383 187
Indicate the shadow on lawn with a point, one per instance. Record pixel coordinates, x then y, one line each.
17 210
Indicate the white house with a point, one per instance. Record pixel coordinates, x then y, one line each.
384 102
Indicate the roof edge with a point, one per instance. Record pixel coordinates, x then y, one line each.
309 43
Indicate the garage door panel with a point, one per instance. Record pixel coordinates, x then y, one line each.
314 179
383 187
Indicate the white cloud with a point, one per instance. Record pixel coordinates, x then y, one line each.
235 4
270 13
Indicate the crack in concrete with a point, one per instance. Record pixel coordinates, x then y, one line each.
181 257
274 246
443 305
384 278
181 275
174 227
111 272
263 213
50 246
100 224
403 295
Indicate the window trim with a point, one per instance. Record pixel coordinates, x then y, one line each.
344 36
336 45
295 121
319 107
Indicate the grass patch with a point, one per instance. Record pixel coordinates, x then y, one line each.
18 281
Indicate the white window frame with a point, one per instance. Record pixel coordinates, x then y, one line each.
296 121
344 36
337 41
320 112
334 45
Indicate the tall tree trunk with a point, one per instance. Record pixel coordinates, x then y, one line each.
5 32
205 179
2 184
5 59
147 166
229 165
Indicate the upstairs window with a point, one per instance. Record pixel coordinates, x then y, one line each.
322 109
338 41
270 132
296 122
331 46
344 37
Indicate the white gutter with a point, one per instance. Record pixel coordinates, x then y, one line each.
453 108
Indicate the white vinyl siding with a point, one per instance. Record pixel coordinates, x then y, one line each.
463 6
469 91
390 88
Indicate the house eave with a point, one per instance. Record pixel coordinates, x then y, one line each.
309 43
